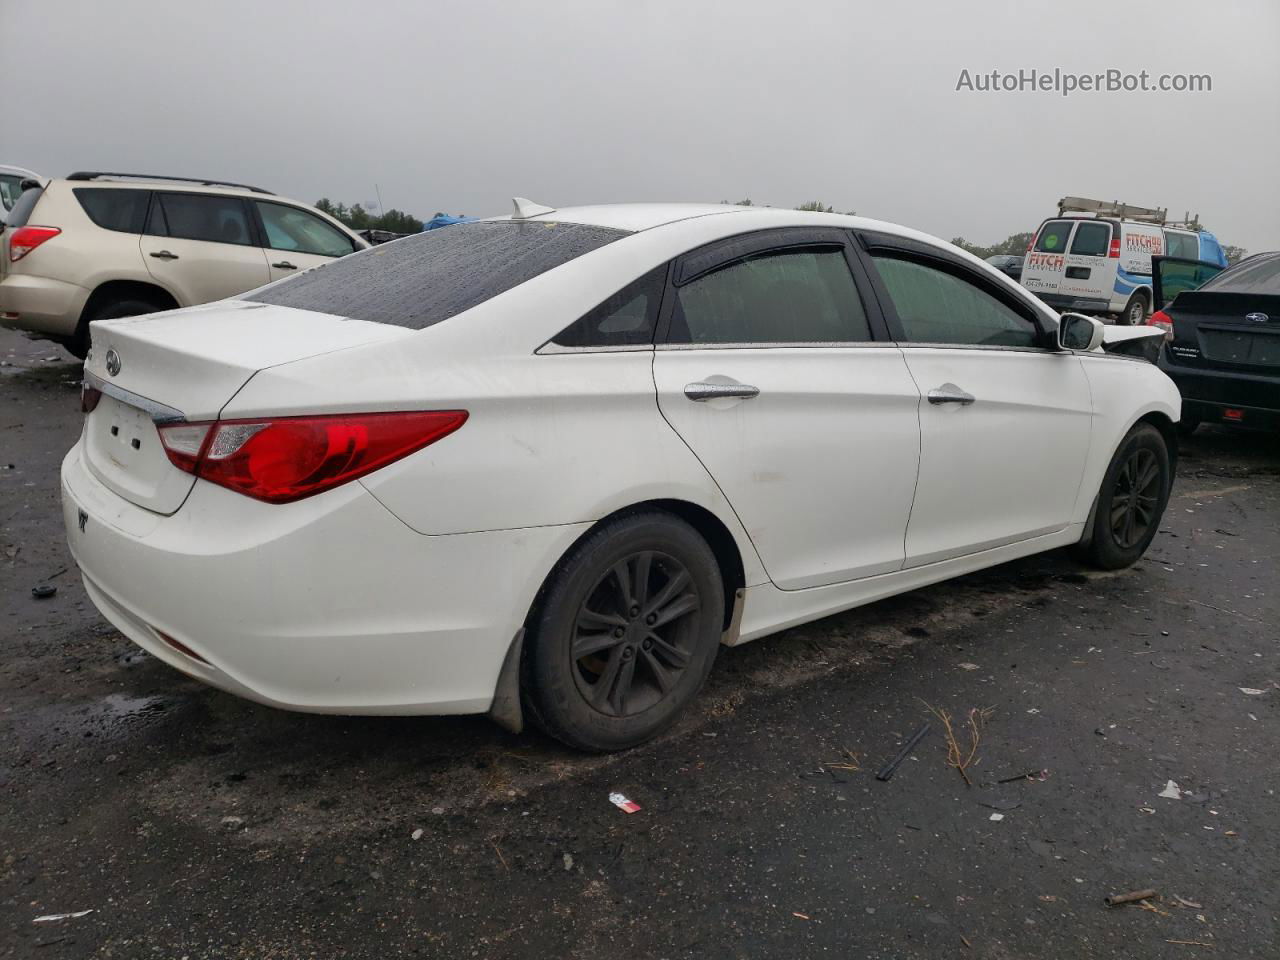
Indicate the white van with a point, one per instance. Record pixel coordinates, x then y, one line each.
1095 257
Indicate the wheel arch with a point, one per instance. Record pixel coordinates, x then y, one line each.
112 290
1169 431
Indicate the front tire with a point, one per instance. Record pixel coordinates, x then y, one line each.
626 633
1135 491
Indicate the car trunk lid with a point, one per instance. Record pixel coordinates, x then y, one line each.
186 365
1226 330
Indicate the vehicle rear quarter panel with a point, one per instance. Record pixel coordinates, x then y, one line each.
1123 391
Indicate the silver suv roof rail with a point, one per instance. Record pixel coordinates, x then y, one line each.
1111 208
94 175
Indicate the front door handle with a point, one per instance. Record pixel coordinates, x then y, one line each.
702 390
950 393
164 255
284 265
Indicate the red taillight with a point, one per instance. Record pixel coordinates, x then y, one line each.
25 239
1231 413
1114 252
89 397
1164 322
286 459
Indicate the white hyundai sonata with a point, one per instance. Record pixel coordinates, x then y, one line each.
543 466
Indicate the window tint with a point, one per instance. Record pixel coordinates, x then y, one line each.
1183 245
938 307
1091 239
1053 236
430 277
289 228
625 319
121 210
195 216
797 296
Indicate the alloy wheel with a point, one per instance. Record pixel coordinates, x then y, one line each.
1135 500
634 634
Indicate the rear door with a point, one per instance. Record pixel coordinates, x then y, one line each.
768 367
1088 272
201 247
1006 422
296 239
1046 264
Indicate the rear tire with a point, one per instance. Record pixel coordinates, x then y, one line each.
78 343
626 633
1134 493
1135 311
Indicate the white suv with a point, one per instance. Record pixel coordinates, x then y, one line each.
100 245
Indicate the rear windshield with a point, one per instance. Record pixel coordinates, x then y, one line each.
1255 275
1053 236
424 279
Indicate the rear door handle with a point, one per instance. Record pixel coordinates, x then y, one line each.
950 393
702 390
164 255
284 265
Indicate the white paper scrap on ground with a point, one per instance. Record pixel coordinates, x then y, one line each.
1171 790
49 917
620 801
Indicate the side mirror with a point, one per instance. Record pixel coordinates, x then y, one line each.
1078 332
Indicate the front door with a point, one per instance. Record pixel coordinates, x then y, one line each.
1005 422
298 240
769 372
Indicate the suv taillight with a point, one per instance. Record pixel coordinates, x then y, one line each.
288 458
1114 252
25 239
1164 322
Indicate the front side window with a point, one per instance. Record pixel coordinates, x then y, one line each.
935 306
114 209
289 228
197 216
625 319
1053 236
796 296
1091 240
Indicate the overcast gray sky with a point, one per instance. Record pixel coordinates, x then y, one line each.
457 106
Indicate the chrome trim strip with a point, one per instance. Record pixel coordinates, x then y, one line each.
158 412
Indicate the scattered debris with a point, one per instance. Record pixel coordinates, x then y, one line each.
1132 897
232 823
1251 691
802 916
567 859
996 816
1000 804
1146 905
965 941
1033 710
1040 776
620 801
957 756
1048 898
1189 904
416 835
43 591
1191 943
887 771
51 917
1171 791
501 859
968 666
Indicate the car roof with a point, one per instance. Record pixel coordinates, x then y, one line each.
177 186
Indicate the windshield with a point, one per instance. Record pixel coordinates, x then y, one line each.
429 277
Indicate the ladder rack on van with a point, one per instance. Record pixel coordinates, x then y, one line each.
1105 208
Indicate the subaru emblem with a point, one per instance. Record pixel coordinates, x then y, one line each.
113 362
1256 317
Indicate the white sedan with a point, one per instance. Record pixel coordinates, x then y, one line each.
543 466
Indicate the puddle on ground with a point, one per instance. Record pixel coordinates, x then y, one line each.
113 716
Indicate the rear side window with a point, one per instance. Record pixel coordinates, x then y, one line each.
1091 240
429 277
289 228
796 296
197 216
626 319
935 306
1186 246
118 209
1053 236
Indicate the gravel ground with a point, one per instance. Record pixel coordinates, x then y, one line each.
196 825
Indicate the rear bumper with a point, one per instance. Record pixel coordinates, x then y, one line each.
41 304
1206 394
333 607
